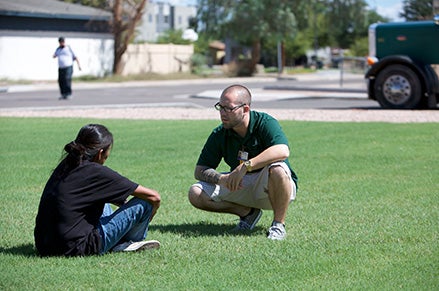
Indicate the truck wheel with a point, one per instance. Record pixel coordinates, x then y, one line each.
398 87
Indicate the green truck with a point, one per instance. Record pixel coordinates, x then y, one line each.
404 62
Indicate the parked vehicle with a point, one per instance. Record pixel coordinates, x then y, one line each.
404 62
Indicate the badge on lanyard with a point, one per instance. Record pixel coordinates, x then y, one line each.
242 156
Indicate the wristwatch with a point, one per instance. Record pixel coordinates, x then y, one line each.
248 165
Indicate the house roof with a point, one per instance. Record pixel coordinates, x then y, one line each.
51 9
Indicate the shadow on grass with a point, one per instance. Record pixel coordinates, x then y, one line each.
27 250
203 229
186 230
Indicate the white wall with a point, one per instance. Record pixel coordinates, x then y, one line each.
157 58
30 57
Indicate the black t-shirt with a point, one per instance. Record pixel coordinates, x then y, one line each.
70 209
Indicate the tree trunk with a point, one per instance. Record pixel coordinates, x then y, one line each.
123 29
256 55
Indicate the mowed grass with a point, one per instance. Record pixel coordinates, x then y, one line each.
366 215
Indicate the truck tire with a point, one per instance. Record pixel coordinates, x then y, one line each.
398 87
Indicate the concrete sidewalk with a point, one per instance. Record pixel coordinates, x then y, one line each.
49 86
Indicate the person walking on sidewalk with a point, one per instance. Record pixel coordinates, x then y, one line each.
66 57
256 149
74 215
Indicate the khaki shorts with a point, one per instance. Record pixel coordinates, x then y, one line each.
254 192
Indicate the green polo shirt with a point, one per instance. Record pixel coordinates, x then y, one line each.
264 131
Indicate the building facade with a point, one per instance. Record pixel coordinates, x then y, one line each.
29 31
160 17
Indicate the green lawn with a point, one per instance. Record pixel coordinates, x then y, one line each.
366 215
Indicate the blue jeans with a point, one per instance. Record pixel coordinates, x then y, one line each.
128 223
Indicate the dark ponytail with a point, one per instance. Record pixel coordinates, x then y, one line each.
90 140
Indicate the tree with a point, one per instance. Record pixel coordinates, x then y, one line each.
374 17
248 21
346 21
417 10
255 19
126 16
360 47
101 4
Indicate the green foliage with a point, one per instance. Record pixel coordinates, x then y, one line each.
298 70
101 4
172 36
247 23
201 46
293 48
256 19
417 10
298 46
301 25
366 215
346 21
374 17
198 63
212 16
360 47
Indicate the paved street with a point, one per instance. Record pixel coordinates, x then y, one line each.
307 91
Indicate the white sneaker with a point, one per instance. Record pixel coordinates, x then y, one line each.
276 231
130 246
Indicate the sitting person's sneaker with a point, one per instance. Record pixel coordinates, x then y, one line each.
130 246
276 231
249 221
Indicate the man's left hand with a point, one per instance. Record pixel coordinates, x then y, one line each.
234 179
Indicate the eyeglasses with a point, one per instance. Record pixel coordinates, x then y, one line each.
219 107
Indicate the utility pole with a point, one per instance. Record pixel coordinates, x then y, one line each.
316 41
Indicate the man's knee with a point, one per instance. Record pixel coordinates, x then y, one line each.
194 195
279 181
277 172
197 197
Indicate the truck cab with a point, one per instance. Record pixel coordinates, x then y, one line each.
404 62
